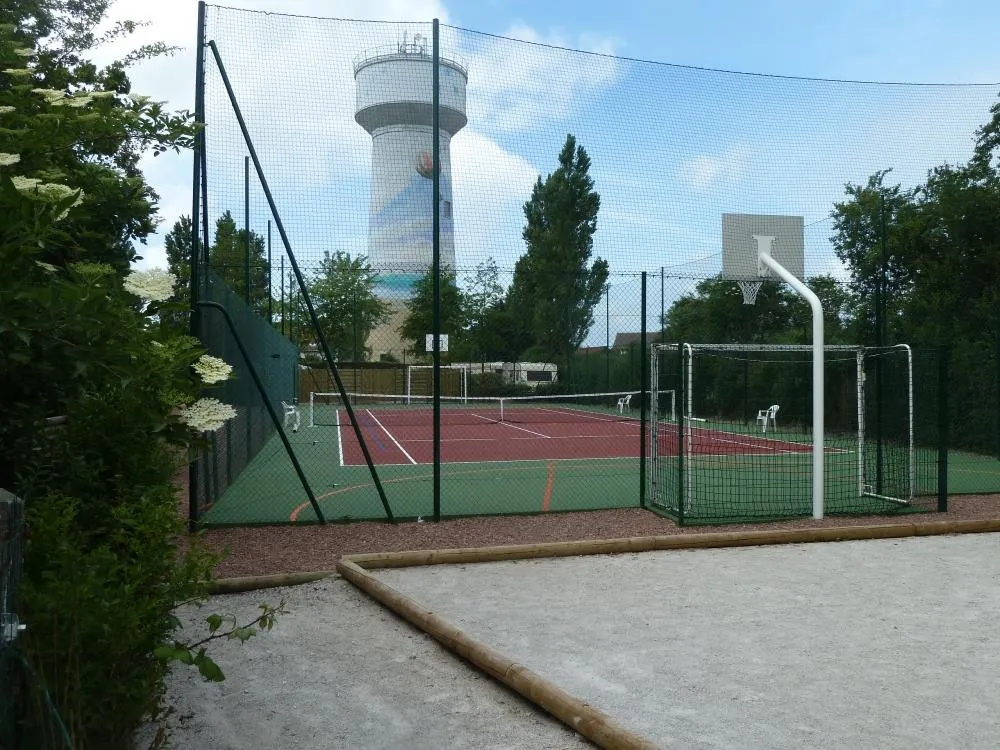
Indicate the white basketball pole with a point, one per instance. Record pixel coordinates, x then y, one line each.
764 260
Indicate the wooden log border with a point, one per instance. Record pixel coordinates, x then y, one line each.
579 716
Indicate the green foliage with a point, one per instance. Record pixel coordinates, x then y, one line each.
420 318
555 287
196 655
715 313
228 258
92 430
177 244
343 295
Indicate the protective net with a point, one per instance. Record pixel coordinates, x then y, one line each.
234 448
338 124
742 447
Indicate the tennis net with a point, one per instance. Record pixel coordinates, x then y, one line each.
329 410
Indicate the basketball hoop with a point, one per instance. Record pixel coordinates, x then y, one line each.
749 289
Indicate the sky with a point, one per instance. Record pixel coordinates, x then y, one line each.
672 146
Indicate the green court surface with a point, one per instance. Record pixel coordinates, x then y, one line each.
734 485
269 491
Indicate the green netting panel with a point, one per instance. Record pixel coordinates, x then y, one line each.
238 443
741 448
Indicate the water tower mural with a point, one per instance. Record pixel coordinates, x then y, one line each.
394 104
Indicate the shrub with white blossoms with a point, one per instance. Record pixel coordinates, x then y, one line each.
212 369
206 414
155 285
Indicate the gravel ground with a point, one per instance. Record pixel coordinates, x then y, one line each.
890 644
285 549
339 671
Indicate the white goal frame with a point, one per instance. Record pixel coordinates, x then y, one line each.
688 416
464 379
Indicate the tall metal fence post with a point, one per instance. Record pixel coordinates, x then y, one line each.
436 239
195 312
944 418
644 400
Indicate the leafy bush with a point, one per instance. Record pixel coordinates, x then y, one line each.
100 402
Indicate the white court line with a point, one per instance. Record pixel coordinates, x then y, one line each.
507 424
340 440
391 436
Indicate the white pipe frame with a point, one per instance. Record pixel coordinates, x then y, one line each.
764 259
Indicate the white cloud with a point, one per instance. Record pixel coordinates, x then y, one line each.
527 86
705 172
491 186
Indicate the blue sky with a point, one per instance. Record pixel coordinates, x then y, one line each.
672 148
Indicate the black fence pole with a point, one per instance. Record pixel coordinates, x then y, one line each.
246 232
944 420
199 146
643 401
436 239
270 292
321 339
680 406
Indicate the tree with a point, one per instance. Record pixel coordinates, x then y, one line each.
228 260
419 320
177 244
485 313
715 314
555 286
867 239
99 409
100 155
343 295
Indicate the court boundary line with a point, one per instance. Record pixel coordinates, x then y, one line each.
391 436
340 439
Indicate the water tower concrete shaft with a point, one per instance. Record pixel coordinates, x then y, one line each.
395 105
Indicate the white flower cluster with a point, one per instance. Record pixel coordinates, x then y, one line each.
212 369
4 109
155 285
206 414
24 51
47 192
17 72
7 159
52 96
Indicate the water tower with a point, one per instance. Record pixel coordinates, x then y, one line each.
394 104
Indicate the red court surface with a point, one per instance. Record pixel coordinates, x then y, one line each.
388 443
585 435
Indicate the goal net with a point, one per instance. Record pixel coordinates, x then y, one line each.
740 447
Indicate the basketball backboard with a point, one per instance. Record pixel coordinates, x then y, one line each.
742 234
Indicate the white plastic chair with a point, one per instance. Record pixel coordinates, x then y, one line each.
623 404
291 415
770 414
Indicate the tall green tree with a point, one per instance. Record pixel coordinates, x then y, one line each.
419 320
343 294
556 286
228 259
869 239
177 244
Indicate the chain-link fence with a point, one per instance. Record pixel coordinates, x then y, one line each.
325 205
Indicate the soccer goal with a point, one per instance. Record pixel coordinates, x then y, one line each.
419 380
742 444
